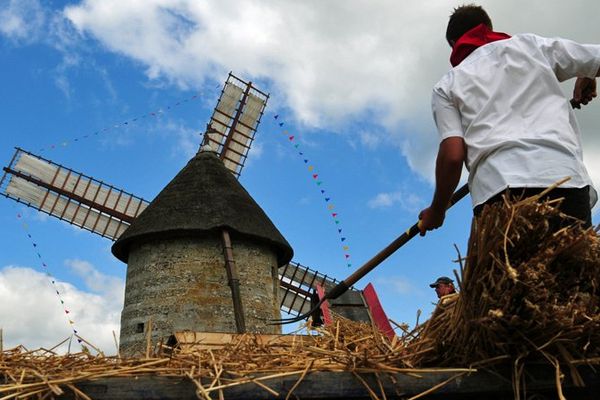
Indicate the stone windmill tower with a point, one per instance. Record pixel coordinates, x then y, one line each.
202 256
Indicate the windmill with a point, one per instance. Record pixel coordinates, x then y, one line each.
108 211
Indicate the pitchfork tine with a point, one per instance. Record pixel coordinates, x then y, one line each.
343 286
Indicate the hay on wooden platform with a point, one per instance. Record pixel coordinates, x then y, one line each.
344 346
530 290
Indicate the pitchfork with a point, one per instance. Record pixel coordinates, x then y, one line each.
344 285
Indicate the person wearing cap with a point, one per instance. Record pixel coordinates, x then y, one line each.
501 112
443 286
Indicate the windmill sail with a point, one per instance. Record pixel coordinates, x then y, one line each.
234 122
296 285
69 195
223 115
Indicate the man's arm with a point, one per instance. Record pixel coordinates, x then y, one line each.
448 168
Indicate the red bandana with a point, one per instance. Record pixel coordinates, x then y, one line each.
471 40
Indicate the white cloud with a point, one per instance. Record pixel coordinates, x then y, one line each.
188 139
255 154
399 285
22 20
108 286
382 200
29 22
407 201
329 62
33 316
328 59
370 140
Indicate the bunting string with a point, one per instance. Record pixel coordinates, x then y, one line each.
51 278
131 121
321 186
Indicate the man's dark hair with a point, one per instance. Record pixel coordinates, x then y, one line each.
465 18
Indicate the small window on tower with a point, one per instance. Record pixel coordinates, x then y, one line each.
140 328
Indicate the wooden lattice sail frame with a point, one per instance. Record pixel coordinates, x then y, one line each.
234 121
70 195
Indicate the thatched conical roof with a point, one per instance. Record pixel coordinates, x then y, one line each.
203 197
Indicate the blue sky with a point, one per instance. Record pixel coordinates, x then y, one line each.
351 82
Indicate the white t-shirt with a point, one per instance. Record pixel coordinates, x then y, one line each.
505 101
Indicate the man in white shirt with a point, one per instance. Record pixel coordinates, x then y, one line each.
500 110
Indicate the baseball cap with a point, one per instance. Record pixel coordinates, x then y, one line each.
441 279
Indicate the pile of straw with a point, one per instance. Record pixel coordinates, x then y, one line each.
344 346
529 291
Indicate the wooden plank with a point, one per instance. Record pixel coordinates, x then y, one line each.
192 341
340 385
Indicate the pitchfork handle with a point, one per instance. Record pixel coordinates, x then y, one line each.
388 251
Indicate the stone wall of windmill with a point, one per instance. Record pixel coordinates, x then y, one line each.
176 275
181 284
